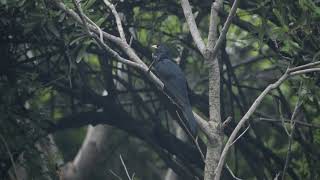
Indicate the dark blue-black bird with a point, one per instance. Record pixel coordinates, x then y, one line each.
175 82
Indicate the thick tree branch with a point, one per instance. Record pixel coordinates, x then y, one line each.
213 25
193 26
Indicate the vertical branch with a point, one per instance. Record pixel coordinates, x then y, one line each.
209 53
215 134
225 27
293 125
213 26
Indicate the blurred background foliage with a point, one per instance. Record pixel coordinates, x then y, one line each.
52 71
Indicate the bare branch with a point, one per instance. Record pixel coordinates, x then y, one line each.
113 173
240 135
123 45
232 174
224 29
117 56
305 66
136 61
125 168
118 20
84 20
10 156
304 71
193 26
293 125
192 137
253 107
301 123
214 21
203 124
226 122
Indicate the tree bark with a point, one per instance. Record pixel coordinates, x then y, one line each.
214 144
90 151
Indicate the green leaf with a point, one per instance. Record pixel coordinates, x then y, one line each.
89 4
100 21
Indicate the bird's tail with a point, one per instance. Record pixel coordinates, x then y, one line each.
191 122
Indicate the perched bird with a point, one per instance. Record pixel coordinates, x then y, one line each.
175 83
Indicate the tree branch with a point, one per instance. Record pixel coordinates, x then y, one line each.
254 106
118 20
136 61
193 26
213 25
224 29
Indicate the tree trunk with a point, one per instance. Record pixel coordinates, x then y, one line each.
215 137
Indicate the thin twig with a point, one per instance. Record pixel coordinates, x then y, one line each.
124 47
125 168
113 173
225 29
254 106
304 71
293 125
226 122
232 174
194 139
305 66
10 156
301 123
240 135
117 56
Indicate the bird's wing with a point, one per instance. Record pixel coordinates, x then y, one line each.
174 80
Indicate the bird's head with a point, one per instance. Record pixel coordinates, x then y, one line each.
161 52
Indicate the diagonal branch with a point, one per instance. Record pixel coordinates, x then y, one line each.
81 14
118 20
193 26
135 62
123 45
91 27
84 20
117 56
289 73
224 29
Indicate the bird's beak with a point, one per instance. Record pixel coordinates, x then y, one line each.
154 46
